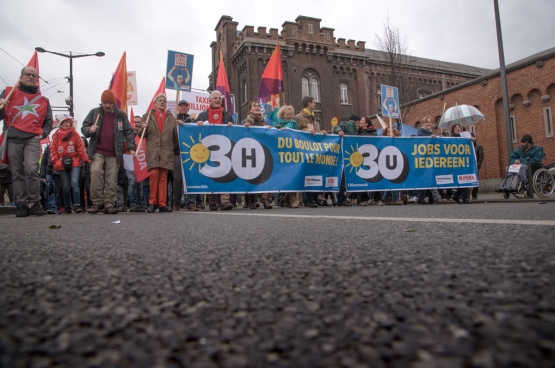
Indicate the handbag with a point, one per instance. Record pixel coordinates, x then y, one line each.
67 162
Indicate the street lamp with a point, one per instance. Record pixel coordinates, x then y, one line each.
70 56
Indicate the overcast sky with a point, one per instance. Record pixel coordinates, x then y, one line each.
460 31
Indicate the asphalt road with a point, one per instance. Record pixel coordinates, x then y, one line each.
395 286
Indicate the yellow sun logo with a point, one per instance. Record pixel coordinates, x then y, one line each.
355 159
198 153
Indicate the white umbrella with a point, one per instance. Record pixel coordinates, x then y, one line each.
461 114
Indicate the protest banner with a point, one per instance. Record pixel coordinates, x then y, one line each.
179 70
383 163
221 159
132 99
390 101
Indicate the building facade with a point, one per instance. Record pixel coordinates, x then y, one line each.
342 75
531 91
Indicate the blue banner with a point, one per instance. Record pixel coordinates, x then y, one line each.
390 101
383 163
221 159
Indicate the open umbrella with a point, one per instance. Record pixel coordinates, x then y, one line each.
461 114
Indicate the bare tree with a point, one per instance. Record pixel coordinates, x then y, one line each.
398 62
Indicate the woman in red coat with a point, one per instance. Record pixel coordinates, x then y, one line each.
67 151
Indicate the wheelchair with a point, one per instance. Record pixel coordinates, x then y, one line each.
540 181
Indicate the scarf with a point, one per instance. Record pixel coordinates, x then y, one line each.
160 118
64 134
215 116
256 120
28 89
308 113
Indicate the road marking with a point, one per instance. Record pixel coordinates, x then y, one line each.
396 219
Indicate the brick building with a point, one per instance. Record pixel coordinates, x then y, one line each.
531 87
342 75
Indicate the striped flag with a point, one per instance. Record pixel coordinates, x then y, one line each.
222 85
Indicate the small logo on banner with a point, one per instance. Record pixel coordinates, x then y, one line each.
469 178
444 179
332 182
312 181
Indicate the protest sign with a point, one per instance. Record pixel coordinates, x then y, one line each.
179 70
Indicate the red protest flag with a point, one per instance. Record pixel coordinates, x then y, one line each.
271 85
161 89
141 168
118 84
34 63
222 85
132 115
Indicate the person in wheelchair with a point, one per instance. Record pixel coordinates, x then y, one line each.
520 156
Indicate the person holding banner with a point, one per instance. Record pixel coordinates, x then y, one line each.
106 126
216 115
426 131
255 118
456 131
27 119
346 128
177 192
285 115
160 129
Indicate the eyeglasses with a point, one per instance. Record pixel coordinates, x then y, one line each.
30 75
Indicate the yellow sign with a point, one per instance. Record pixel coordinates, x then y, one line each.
334 121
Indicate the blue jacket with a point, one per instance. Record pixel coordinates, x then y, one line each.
535 153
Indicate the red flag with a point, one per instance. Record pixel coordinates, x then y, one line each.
118 84
222 85
132 116
271 85
34 63
161 89
141 168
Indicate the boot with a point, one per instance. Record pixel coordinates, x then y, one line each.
212 202
252 201
266 202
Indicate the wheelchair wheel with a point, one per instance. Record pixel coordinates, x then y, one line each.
506 195
543 183
520 195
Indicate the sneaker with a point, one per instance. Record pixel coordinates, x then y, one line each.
313 205
165 209
398 202
192 208
321 198
344 204
51 212
133 208
151 208
23 211
175 208
474 198
380 203
413 199
77 209
466 201
37 210
422 202
94 209
405 199
67 210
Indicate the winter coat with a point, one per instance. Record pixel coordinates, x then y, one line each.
121 132
479 154
303 120
370 131
69 146
347 127
423 132
292 124
535 153
203 116
159 145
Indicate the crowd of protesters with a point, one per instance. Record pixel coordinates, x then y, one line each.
86 173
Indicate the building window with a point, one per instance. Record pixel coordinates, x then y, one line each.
328 36
344 96
292 31
310 29
245 92
311 87
513 129
548 119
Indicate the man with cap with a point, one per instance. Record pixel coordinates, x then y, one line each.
346 128
182 118
107 127
27 119
520 156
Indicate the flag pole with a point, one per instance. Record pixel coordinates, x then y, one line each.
176 101
142 135
10 94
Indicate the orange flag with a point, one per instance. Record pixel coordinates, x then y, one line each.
118 84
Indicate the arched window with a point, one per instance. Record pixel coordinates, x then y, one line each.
344 96
311 86
245 92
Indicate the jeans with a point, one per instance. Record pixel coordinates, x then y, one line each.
341 196
24 165
177 185
51 199
134 189
387 194
70 185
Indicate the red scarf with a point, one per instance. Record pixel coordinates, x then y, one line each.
215 116
160 118
62 133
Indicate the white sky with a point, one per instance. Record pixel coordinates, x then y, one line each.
460 31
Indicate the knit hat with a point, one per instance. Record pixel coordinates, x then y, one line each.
527 139
62 117
108 97
354 117
182 102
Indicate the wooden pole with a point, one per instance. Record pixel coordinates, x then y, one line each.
142 135
176 101
10 94
96 121
390 127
